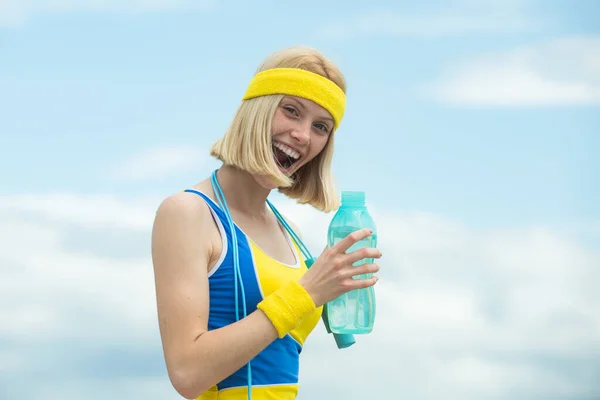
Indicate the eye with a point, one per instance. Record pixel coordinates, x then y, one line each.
322 127
291 110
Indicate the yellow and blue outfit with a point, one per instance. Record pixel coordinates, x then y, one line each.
274 370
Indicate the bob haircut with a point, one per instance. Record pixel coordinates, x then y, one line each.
247 143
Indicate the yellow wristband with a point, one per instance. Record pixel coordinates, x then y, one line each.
287 306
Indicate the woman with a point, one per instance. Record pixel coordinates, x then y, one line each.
224 331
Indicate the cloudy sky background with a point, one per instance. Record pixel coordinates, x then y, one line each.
472 126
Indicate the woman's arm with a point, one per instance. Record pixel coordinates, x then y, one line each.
196 358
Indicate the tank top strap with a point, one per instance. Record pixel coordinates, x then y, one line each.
217 211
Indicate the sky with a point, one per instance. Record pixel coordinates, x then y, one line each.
472 126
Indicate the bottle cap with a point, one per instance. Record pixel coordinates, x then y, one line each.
353 198
344 340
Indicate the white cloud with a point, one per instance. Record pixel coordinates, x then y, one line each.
161 162
95 211
16 12
460 18
554 73
462 313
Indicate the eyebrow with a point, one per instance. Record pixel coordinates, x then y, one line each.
327 118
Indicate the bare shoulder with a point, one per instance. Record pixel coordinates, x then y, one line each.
182 206
181 222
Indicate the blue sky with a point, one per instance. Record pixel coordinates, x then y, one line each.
472 126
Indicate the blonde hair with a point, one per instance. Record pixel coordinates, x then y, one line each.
247 142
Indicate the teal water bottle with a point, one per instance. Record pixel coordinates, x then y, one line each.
352 312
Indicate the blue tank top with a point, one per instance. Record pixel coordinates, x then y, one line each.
275 369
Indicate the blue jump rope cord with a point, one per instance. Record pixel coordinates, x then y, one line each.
236 264
298 241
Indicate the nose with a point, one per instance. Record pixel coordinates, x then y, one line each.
301 134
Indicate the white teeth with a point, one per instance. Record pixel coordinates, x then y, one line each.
287 150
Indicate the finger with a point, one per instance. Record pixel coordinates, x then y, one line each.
360 254
343 245
363 283
363 269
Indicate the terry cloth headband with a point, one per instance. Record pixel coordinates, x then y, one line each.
300 83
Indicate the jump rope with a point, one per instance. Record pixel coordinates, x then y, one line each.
236 262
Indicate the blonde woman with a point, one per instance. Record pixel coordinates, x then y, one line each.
235 298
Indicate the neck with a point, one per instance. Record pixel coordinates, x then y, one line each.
242 192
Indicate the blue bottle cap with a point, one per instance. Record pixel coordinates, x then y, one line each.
344 340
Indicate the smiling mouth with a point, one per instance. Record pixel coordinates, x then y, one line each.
285 156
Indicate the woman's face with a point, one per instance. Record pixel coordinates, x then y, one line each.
300 129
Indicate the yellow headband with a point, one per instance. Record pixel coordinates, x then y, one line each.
300 83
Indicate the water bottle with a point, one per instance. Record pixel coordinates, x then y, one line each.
352 312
